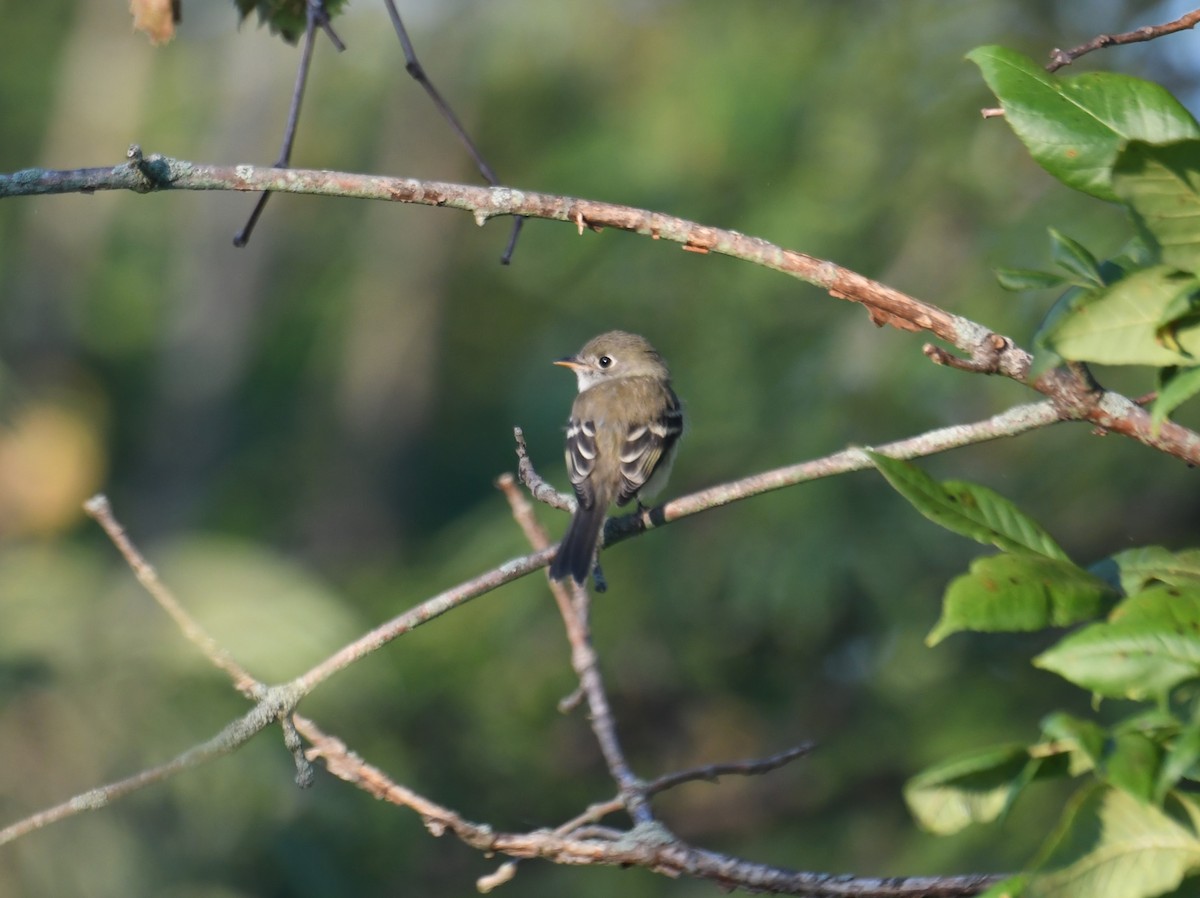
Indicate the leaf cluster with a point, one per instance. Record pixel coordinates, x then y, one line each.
1133 827
287 18
1124 140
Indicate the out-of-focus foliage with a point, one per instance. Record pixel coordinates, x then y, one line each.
302 434
287 18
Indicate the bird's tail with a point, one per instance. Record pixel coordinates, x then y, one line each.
578 546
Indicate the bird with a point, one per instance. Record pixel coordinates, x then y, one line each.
622 437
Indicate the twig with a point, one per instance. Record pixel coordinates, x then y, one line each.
231 737
708 773
99 509
421 614
574 611
538 488
277 703
413 66
315 16
647 846
1015 421
1060 58
748 767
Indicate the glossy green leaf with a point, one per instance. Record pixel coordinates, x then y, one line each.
971 788
1140 567
1075 259
1161 186
1075 126
1150 644
1119 324
1012 887
1017 280
1131 763
1083 740
968 509
1014 592
1175 387
1180 761
1111 845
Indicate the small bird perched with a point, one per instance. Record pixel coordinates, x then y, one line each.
621 439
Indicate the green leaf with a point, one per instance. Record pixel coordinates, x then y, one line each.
1135 255
1161 186
1140 567
968 509
1074 127
1012 887
1111 845
1175 387
1119 324
1179 762
1017 280
1075 259
1149 645
1019 592
972 788
1131 763
1082 740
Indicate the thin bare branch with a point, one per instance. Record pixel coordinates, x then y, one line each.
709 773
539 488
648 845
413 66
99 509
574 610
421 614
1060 58
231 737
277 703
990 353
315 16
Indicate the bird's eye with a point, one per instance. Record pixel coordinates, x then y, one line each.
604 361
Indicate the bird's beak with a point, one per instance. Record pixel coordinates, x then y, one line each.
570 362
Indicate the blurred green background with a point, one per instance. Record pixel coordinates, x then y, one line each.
303 434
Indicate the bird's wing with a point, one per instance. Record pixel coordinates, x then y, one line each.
648 444
581 457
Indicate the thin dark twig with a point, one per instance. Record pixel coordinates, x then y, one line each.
712 772
413 66
708 773
315 16
1060 58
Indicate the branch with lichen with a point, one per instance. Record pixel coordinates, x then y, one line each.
979 349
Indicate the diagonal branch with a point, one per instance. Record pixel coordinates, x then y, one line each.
278 702
231 737
100 510
315 16
1060 58
988 352
574 610
413 66
646 845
